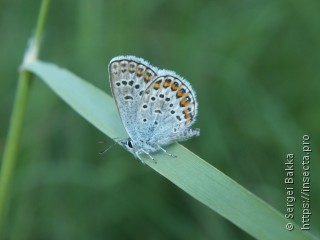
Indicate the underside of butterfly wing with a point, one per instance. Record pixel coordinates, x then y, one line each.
167 109
129 77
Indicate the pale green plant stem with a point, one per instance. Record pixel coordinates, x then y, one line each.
16 120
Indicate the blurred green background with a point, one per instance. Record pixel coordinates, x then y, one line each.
254 66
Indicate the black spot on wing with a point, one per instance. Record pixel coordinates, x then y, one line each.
128 97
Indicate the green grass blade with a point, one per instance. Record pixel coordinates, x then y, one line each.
189 172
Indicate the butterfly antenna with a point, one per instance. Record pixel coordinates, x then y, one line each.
104 151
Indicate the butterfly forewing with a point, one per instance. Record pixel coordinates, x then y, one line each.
129 77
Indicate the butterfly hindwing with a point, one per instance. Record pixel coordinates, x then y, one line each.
167 109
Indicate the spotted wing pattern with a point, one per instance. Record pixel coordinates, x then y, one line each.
157 107
167 109
129 77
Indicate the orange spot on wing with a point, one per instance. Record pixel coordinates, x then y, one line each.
166 84
157 85
147 76
174 86
139 72
187 115
184 102
181 92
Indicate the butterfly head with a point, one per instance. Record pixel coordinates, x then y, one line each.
137 148
128 144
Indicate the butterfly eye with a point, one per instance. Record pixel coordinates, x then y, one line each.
129 143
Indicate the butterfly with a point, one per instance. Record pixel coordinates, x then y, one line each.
157 107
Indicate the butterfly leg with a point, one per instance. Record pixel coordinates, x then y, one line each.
166 152
143 151
138 156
